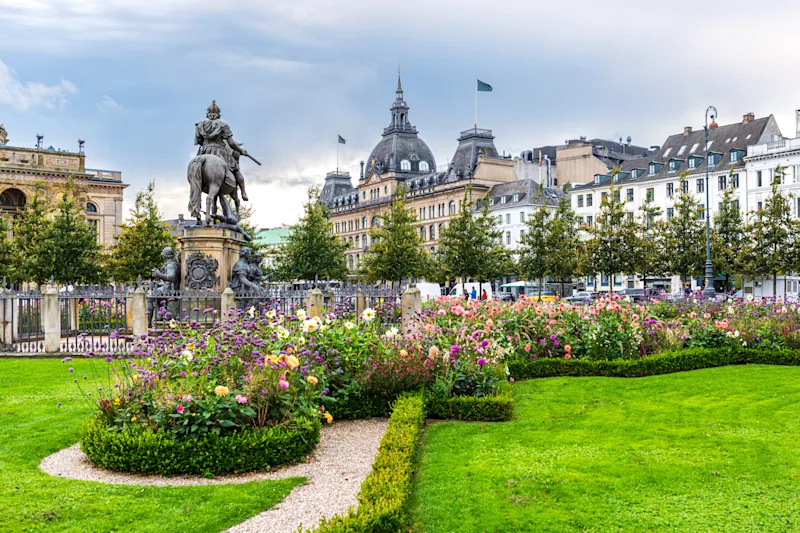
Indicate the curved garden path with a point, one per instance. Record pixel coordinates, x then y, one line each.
334 474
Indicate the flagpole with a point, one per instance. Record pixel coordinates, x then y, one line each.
476 106
337 156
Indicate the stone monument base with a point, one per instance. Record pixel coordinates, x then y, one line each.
207 256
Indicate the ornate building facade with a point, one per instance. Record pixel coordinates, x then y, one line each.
22 170
402 157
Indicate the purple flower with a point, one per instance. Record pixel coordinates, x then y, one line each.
72 369
481 361
552 337
454 349
66 359
58 405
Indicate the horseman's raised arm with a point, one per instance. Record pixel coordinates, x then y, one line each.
235 146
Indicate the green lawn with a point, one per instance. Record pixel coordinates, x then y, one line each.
32 427
710 450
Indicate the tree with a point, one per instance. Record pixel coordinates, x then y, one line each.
311 250
685 237
30 228
771 247
564 245
611 248
395 253
141 239
494 258
7 259
650 260
534 258
246 223
69 249
728 236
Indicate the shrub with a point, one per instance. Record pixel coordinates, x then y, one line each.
383 500
141 450
486 408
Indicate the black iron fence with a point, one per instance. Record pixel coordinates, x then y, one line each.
95 318
168 309
21 323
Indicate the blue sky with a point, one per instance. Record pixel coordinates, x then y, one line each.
132 78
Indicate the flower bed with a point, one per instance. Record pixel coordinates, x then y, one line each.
143 451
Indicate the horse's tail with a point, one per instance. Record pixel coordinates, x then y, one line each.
195 177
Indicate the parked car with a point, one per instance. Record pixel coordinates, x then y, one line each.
532 293
504 296
581 297
636 295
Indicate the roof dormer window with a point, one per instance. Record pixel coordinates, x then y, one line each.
651 169
405 164
674 164
504 199
713 159
516 197
736 155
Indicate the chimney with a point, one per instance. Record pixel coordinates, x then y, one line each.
748 117
362 170
797 122
687 130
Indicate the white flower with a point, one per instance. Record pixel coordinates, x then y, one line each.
323 327
271 314
731 310
783 310
187 355
627 298
252 311
301 340
173 324
301 314
310 326
349 325
736 333
749 297
368 315
283 333
391 333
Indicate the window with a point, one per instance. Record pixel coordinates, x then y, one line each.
432 232
499 219
405 164
603 280
93 223
580 200
508 218
91 208
692 162
651 194
667 151
422 213
713 159
589 220
636 172
759 206
674 165
422 233
364 195
617 196
670 190
516 197
701 213
722 182
629 195
735 155
758 178
508 237
630 216
451 208
694 147
735 181
522 216
588 200
685 186
423 166
364 222
701 185
683 149
670 212
603 195
386 189
503 199
357 241
377 193
779 176
617 280
521 234
430 211
651 169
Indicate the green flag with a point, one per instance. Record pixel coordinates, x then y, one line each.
484 86
341 140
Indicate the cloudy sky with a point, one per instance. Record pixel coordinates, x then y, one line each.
133 77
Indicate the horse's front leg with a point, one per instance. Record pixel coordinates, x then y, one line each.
211 203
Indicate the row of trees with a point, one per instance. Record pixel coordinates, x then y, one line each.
556 246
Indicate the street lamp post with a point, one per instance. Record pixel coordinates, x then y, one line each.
709 291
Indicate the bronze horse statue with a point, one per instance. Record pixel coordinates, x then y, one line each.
209 174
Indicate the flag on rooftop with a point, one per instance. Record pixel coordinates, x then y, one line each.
341 140
484 86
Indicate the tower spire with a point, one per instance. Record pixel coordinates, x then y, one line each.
399 83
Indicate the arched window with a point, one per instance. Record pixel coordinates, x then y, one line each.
91 208
451 207
423 166
405 164
422 233
357 239
376 222
432 232
364 222
12 201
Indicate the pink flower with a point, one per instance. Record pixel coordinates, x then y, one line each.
283 384
692 315
706 315
242 399
430 328
180 408
189 398
457 310
527 347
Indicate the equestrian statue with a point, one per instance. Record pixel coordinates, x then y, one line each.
215 170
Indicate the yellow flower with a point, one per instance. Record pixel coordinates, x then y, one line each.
293 362
328 417
133 419
221 390
312 380
403 353
116 402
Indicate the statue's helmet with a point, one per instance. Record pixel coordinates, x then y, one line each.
167 253
213 110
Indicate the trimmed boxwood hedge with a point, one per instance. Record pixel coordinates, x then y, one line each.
359 407
146 452
383 500
662 363
469 408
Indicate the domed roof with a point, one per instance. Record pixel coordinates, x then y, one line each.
400 150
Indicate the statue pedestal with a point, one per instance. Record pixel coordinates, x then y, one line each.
217 244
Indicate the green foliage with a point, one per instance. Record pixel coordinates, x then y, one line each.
565 247
485 408
728 237
146 452
685 236
495 258
30 230
311 249
770 249
383 500
7 251
395 253
246 223
611 248
141 239
650 259
534 250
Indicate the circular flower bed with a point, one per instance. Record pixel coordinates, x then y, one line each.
143 451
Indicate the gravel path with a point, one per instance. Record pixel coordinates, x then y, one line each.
335 472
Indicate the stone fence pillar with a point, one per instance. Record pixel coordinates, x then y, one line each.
51 317
315 301
138 307
411 306
361 303
228 301
7 332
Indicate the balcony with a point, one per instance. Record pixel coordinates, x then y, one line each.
773 147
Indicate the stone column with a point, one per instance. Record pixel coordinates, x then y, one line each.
315 302
411 305
52 321
138 305
228 301
361 302
6 313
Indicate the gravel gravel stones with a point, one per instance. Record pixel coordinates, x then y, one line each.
335 471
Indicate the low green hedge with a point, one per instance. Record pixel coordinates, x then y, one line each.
383 500
485 409
146 452
662 363
359 407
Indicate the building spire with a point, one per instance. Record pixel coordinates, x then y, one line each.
399 83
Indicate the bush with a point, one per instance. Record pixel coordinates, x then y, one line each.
360 406
486 408
384 494
662 363
143 451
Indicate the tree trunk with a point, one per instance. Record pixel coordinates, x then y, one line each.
540 288
774 285
727 283
562 288
610 283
